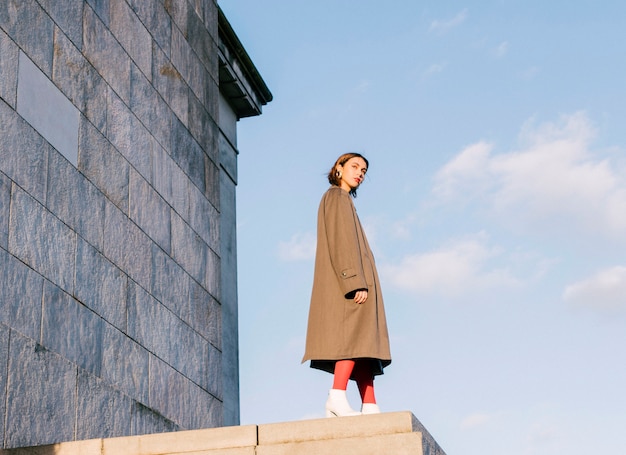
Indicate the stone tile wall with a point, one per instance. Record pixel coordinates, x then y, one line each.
110 246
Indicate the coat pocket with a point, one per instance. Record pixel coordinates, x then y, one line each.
347 273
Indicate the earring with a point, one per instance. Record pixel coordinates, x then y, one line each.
338 174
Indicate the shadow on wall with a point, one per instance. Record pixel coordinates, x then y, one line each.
53 449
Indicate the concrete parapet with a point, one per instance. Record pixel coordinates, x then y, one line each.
397 433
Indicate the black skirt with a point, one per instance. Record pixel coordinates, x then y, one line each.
376 365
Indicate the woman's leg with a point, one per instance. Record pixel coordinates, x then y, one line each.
337 404
365 382
343 371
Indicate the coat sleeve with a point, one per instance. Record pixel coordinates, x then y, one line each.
343 242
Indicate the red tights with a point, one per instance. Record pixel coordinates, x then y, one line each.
362 375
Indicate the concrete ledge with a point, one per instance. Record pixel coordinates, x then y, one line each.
345 427
392 444
397 433
193 442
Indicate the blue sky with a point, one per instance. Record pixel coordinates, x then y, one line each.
495 204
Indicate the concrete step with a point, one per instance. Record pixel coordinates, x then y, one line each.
397 433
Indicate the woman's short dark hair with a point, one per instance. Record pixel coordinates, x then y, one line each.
334 179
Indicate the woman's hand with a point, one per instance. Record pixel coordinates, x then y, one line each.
360 296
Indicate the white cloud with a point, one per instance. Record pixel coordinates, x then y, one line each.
530 73
477 419
555 179
465 173
382 229
539 436
461 266
363 86
433 69
299 247
604 290
442 26
402 229
502 49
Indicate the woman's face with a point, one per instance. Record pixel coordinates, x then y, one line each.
352 173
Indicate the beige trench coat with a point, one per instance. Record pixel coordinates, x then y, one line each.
338 328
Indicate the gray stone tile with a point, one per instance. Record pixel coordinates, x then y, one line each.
206 409
75 200
194 357
229 326
203 128
213 275
102 412
214 371
198 7
170 84
100 285
8 69
230 386
153 15
201 312
164 170
41 397
170 284
127 246
202 43
179 12
188 249
103 165
181 188
168 390
79 80
213 183
188 64
129 136
227 119
210 18
150 108
180 400
204 218
68 14
165 335
228 158
71 329
212 97
131 34
202 46
204 315
31 28
47 109
214 327
105 53
149 421
216 413
5 205
228 225
4 361
188 154
40 240
23 153
150 211
101 8
125 364
21 290
148 321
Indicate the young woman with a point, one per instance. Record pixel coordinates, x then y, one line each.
347 330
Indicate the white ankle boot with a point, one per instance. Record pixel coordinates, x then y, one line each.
337 404
370 408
